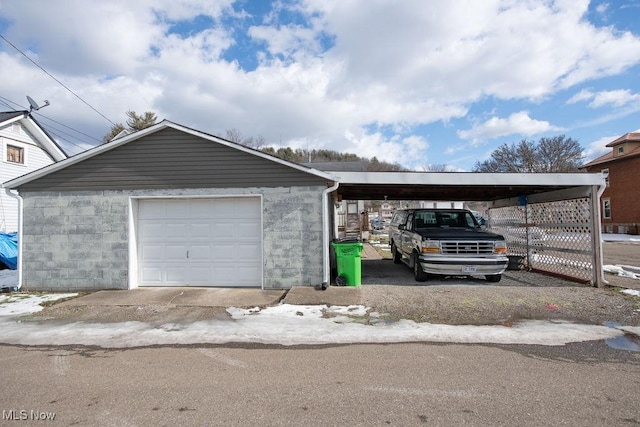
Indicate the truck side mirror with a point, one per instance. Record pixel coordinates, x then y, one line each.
401 227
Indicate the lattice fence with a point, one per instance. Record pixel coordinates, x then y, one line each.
554 237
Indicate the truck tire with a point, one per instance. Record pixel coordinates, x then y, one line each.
495 278
418 273
397 258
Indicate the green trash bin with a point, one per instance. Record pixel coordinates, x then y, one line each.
348 263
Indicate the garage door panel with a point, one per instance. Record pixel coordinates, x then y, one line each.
200 275
176 209
200 242
248 209
199 231
151 231
224 230
225 252
251 251
175 231
176 274
247 230
152 275
152 252
200 253
151 209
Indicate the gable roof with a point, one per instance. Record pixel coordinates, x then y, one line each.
632 137
157 129
41 136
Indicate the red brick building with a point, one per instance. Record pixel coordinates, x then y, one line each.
620 202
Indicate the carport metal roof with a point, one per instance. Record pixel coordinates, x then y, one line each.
465 186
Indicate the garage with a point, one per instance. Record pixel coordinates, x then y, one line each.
551 221
172 206
200 242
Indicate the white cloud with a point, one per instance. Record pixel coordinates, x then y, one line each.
516 124
614 98
598 148
611 98
397 65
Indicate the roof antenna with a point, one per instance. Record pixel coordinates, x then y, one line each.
34 105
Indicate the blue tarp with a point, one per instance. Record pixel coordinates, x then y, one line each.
9 249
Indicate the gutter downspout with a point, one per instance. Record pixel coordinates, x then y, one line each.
19 199
597 223
326 273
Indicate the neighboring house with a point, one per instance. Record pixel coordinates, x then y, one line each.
441 205
172 206
620 202
26 147
386 210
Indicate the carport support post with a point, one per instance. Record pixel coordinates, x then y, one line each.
596 243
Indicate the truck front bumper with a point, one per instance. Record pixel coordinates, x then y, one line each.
467 266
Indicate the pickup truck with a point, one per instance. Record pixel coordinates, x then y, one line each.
447 242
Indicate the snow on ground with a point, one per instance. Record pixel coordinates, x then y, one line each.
17 304
609 237
287 324
284 324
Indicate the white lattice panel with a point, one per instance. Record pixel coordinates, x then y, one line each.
555 237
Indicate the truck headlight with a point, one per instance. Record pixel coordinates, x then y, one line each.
500 247
431 247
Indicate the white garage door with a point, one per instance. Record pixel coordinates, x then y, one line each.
200 242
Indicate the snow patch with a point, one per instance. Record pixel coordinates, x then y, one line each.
18 304
288 325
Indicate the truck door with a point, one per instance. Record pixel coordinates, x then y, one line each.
406 245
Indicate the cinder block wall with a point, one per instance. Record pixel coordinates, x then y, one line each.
78 241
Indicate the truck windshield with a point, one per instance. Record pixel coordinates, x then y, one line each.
444 219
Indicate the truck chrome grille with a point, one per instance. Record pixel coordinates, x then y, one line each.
466 247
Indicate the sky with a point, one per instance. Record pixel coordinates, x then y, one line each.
287 324
443 82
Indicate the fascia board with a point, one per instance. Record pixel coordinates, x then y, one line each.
44 140
469 178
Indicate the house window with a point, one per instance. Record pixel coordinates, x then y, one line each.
605 174
621 149
606 208
15 154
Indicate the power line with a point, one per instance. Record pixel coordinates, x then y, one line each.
69 127
58 81
8 100
52 129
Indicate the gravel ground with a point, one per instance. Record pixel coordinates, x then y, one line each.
390 289
495 305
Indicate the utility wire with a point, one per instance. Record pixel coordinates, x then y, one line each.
52 129
58 81
7 101
69 127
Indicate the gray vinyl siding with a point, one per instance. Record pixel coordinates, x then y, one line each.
171 159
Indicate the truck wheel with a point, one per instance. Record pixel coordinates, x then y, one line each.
493 278
418 273
397 258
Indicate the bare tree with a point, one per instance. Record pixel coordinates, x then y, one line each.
557 154
234 135
436 168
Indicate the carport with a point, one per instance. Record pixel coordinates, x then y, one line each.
551 221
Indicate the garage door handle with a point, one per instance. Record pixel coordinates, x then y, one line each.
187 254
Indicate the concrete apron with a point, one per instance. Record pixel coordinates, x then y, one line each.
220 297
